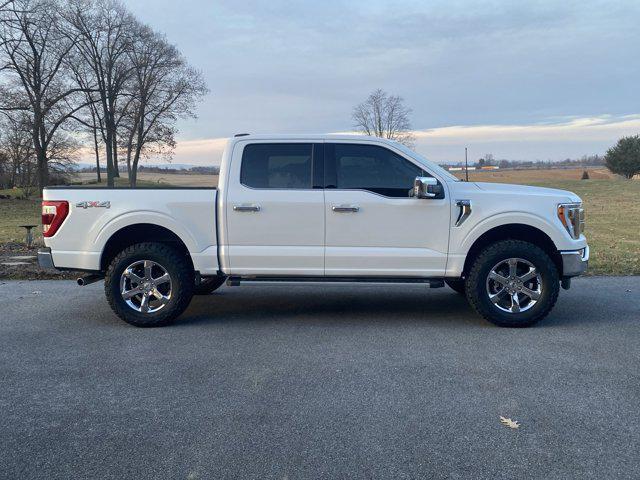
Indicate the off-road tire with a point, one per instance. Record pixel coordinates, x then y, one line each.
176 265
208 285
456 284
476 291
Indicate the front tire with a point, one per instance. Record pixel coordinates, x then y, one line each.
149 284
513 283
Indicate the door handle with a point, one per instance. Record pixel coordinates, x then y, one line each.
345 208
246 208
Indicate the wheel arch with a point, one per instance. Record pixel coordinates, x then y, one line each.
514 231
140 233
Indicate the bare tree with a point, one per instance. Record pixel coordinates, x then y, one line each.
34 50
385 116
164 89
89 119
16 149
63 155
96 126
92 62
105 32
5 171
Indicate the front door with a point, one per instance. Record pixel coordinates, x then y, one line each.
275 216
373 226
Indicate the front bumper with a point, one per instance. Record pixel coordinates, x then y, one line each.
45 260
575 262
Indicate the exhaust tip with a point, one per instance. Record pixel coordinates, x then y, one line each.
89 279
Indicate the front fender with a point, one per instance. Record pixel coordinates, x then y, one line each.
475 231
462 238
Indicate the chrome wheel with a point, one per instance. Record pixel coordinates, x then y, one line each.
514 285
145 286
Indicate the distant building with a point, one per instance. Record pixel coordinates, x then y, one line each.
461 169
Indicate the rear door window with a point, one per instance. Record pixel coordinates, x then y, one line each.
277 166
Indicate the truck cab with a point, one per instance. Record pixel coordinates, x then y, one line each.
320 208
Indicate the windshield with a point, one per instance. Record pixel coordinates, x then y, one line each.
433 166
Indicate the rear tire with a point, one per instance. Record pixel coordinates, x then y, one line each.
513 283
456 284
208 285
156 271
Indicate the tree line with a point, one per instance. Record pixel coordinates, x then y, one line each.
488 160
86 74
201 170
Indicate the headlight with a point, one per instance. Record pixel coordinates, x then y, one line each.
572 217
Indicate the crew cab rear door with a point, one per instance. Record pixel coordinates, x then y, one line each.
373 226
275 216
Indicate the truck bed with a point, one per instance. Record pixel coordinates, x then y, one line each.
96 214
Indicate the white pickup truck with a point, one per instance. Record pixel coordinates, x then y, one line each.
319 208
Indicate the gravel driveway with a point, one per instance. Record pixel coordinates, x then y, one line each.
318 382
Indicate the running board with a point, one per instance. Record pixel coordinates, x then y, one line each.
234 281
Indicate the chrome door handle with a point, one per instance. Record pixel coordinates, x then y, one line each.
345 208
246 208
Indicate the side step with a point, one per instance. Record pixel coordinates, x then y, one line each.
234 281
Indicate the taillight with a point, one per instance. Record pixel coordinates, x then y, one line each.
53 214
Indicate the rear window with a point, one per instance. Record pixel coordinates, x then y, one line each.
277 165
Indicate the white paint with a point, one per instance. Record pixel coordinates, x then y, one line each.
295 232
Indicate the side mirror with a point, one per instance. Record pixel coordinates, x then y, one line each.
426 187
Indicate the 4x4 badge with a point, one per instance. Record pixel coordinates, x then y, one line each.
86 205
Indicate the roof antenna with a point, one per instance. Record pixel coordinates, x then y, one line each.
466 165
241 134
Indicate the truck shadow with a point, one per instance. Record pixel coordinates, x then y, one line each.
330 303
333 303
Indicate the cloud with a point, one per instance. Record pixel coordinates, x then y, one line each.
553 140
200 152
600 128
301 66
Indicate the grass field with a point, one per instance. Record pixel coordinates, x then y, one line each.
159 179
18 212
612 208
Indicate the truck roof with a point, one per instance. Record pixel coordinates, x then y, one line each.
314 136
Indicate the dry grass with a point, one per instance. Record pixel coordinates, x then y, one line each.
150 179
536 176
18 212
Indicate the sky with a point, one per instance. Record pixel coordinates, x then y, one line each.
534 80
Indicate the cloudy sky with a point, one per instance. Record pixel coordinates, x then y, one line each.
522 80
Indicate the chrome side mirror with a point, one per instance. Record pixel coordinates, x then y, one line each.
426 187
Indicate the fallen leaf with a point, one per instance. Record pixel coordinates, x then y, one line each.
509 423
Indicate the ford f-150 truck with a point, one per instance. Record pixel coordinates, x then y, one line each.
319 208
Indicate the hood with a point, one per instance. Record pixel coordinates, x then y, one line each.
507 188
